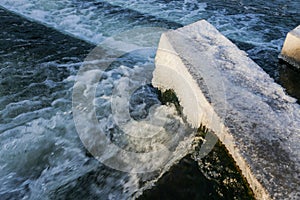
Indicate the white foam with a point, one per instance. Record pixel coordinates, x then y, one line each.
236 26
83 20
42 151
89 22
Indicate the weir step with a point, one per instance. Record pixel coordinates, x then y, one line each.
291 48
219 87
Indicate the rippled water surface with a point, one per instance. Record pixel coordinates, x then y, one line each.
41 155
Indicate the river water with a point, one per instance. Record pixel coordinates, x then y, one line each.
42 156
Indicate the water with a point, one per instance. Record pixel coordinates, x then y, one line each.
213 177
42 156
257 27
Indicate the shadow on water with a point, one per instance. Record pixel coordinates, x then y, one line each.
289 78
213 177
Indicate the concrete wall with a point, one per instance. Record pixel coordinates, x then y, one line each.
291 48
220 87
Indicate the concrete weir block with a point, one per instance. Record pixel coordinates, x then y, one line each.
291 48
220 87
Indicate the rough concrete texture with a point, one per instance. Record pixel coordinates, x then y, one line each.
220 87
291 48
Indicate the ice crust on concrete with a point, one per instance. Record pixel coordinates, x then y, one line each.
220 87
291 48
